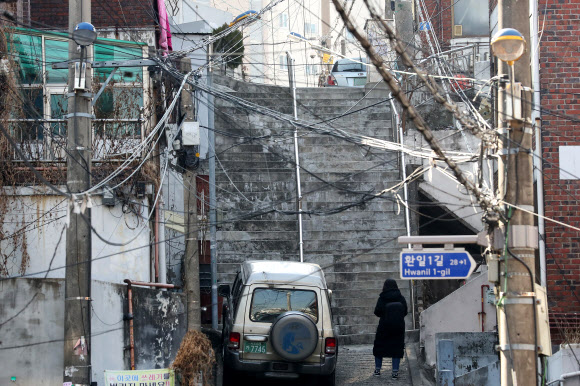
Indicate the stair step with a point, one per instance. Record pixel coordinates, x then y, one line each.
346 340
358 329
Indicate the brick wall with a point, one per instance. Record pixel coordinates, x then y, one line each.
441 14
128 13
560 87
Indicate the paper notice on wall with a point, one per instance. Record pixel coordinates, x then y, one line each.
158 377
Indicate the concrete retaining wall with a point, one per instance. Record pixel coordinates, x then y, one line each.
31 343
43 217
458 312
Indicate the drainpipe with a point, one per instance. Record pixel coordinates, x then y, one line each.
405 194
156 232
292 75
161 244
130 284
482 313
536 118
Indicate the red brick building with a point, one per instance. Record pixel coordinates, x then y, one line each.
123 14
560 93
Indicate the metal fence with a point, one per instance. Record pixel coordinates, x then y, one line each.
46 140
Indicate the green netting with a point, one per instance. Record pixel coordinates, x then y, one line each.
56 51
123 74
28 56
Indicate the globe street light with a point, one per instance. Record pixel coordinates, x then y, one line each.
508 45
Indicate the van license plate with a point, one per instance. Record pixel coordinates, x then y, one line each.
255 347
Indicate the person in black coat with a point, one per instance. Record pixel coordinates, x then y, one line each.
391 308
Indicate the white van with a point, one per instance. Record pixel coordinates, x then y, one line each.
277 322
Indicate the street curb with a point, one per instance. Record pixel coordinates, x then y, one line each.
413 363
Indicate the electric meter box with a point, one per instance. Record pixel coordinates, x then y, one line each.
190 133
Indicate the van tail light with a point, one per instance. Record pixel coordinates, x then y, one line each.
330 346
234 341
331 81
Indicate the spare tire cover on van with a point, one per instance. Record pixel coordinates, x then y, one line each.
294 336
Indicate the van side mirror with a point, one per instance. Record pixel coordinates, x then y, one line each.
329 295
224 290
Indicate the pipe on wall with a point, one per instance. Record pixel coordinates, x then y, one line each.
156 247
161 244
537 120
482 313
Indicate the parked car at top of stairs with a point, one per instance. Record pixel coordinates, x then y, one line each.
348 73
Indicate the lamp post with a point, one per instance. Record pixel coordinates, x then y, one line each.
77 309
517 316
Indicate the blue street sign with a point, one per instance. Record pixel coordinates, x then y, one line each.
436 263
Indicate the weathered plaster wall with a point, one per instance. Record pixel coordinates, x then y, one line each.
31 347
458 312
108 328
32 240
469 351
31 344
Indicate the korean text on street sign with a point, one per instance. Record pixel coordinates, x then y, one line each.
158 377
436 263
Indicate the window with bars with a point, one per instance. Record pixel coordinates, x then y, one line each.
43 90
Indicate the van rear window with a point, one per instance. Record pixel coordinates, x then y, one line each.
268 303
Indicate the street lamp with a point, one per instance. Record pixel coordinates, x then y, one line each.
84 35
508 45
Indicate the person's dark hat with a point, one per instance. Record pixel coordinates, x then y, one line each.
390 284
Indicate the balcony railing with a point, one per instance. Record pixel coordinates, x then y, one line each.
46 140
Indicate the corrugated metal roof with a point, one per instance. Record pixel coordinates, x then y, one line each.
287 272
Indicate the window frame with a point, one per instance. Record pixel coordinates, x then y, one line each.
463 35
310 29
316 319
283 63
283 20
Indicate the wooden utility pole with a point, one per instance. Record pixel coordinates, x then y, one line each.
516 317
191 259
77 308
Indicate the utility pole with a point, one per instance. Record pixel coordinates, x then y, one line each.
77 305
191 259
212 194
516 312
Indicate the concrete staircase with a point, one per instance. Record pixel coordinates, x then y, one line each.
357 247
